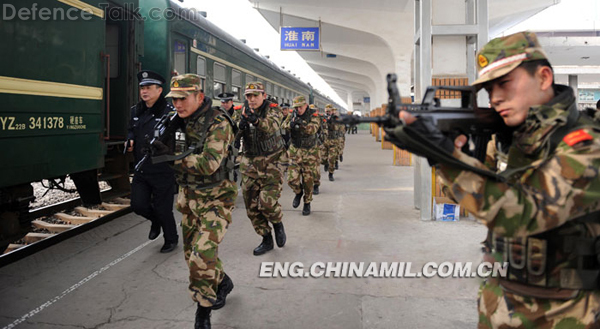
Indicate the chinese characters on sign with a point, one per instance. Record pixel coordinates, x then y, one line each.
300 38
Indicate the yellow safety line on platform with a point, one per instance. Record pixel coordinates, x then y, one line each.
84 6
9 85
222 61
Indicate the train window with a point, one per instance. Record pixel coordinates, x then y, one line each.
201 69
236 82
269 87
250 78
219 72
179 50
219 78
201 66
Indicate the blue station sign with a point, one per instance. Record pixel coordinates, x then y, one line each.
300 38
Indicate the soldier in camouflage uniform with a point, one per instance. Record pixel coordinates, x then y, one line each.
303 152
261 167
207 192
320 139
543 215
334 132
323 138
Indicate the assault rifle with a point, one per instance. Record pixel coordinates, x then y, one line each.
477 123
164 130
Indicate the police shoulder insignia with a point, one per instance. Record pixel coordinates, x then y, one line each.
576 137
483 62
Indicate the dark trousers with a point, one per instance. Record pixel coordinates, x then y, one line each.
152 198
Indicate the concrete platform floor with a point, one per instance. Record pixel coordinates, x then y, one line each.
113 277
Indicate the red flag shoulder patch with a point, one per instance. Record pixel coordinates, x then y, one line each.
239 107
273 105
576 137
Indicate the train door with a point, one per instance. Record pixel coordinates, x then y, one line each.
123 48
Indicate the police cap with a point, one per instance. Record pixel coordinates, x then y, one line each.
148 77
225 97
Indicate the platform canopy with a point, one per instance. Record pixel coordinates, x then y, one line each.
362 41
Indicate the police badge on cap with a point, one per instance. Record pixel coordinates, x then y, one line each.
148 77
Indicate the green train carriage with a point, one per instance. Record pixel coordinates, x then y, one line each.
66 86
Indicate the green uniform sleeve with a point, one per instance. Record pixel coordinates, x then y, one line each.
544 196
219 137
272 122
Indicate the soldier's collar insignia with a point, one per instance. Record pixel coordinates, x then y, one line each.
483 62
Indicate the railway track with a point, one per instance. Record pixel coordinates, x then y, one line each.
61 221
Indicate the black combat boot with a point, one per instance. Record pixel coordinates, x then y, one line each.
341 158
202 318
316 190
279 234
331 177
154 231
224 288
306 210
337 166
326 167
265 245
168 246
298 197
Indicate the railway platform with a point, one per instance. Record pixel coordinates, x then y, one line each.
113 277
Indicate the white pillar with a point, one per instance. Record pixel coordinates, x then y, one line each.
573 81
452 30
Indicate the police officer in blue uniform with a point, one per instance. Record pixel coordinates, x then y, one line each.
153 185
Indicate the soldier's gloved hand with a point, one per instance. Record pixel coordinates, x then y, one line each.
422 130
252 117
243 124
159 148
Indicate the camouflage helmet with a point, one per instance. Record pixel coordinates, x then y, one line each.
502 55
254 88
184 85
299 101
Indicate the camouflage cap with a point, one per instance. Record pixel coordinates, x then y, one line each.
313 107
328 107
299 101
254 88
184 85
502 55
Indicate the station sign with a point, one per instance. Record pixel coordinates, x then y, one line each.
300 38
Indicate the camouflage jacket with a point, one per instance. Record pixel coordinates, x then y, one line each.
546 186
307 130
266 131
206 160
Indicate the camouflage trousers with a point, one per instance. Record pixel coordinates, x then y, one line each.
318 169
342 145
332 154
323 152
262 181
303 169
206 215
499 308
